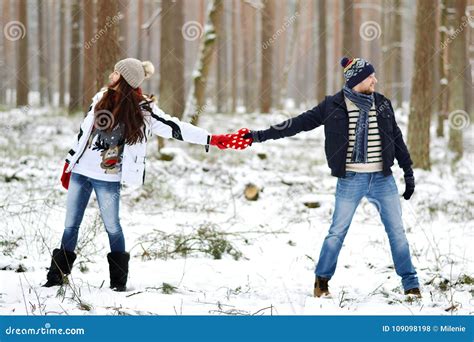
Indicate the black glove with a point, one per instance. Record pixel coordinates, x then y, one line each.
409 183
252 135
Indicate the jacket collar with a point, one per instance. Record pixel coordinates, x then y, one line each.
338 99
379 99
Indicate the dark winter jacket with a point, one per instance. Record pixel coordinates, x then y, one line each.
332 113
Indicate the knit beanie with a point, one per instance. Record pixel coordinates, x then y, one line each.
356 70
134 71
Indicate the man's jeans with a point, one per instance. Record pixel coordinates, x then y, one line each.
382 191
108 197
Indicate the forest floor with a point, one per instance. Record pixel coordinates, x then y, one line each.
198 247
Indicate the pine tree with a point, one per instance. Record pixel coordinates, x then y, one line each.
248 32
421 97
75 101
109 51
268 14
457 65
443 72
208 44
348 29
89 85
22 74
62 52
322 51
221 54
172 97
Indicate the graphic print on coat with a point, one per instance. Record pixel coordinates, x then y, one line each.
110 145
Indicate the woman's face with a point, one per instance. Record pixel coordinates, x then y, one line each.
114 77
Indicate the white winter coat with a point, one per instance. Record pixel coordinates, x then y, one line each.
134 156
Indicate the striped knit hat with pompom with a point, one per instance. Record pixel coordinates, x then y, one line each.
134 71
356 70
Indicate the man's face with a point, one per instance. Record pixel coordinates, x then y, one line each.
367 86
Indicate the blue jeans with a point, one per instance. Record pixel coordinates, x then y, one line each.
108 197
381 191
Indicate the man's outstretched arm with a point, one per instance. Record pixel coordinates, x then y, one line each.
304 122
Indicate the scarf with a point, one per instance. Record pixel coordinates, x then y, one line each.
364 103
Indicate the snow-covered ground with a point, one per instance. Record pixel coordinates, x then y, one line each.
267 248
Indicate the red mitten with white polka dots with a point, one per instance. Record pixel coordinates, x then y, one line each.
237 141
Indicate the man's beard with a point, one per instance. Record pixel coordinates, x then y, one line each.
367 92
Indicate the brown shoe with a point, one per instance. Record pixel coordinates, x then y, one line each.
321 287
414 291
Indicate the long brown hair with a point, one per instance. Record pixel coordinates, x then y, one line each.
120 105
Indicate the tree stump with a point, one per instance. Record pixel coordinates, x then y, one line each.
251 192
312 204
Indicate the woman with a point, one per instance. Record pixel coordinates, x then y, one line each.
110 150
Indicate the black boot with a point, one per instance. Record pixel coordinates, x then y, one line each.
61 265
118 267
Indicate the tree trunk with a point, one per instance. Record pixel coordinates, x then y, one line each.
245 18
322 52
279 49
468 88
75 103
421 97
140 21
89 85
109 51
62 51
458 118
207 49
337 81
392 51
3 69
149 34
50 33
22 75
172 99
123 29
221 53
357 22
268 14
43 54
290 55
348 29
43 79
202 11
6 59
397 52
248 25
387 49
374 46
443 73
235 56
470 60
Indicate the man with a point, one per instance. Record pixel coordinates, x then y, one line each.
362 139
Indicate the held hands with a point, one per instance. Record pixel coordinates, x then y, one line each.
236 141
